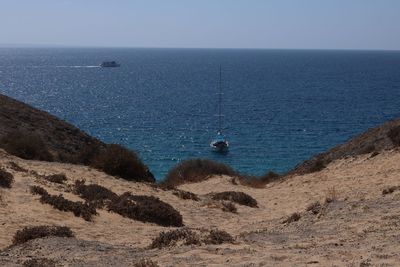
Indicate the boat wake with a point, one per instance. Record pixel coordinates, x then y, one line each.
77 66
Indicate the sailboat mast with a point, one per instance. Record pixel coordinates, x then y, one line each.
220 100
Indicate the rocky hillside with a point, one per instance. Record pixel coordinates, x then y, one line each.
64 141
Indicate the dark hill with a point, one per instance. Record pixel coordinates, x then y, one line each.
375 140
65 142
30 133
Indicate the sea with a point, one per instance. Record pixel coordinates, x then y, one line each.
280 106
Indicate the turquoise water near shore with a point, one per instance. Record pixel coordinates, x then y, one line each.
280 106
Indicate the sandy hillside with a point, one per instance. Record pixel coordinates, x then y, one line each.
359 227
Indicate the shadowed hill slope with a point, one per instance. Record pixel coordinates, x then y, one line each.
375 140
64 141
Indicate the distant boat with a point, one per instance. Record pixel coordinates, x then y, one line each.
220 143
109 64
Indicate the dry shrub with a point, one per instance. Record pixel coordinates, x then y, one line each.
293 218
228 206
185 195
195 170
331 195
80 209
146 209
390 190
14 166
237 197
317 166
93 193
217 237
171 238
33 232
56 178
394 135
118 161
146 263
314 207
26 145
39 262
6 179
258 182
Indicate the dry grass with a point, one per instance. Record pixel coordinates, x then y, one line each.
146 263
331 195
292 218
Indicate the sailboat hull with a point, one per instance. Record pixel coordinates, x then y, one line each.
220 147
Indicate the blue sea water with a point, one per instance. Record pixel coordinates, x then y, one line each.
280 106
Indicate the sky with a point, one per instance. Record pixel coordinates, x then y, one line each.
277 24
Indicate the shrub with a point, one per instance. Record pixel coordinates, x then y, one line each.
185 195
390 190
146 209
228 206
39 262
146 263
16 167
118 161
394 135
28 233
217 237
195 170
56 178
237 197
314 207
6 179
167 239
259 182
80 209
26 145
331 195
96 194
317 166
293 218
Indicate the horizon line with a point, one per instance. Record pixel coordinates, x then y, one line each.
5 45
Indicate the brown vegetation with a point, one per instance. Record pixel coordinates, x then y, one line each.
394 135
228 206
14 166
26 145
258 181
168 239
146 209
314 207
97 195
6 179
56 178
80 209
185 195
28 233
390 190
195 170
39 262
237 197
292 218
118 161
146 263
217 237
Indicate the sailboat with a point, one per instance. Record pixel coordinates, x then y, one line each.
220 143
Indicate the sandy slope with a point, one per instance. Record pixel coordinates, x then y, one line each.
361 227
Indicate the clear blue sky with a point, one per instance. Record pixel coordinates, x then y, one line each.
331 24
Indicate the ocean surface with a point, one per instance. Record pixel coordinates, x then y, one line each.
280 106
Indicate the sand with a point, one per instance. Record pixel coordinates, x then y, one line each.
361 227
